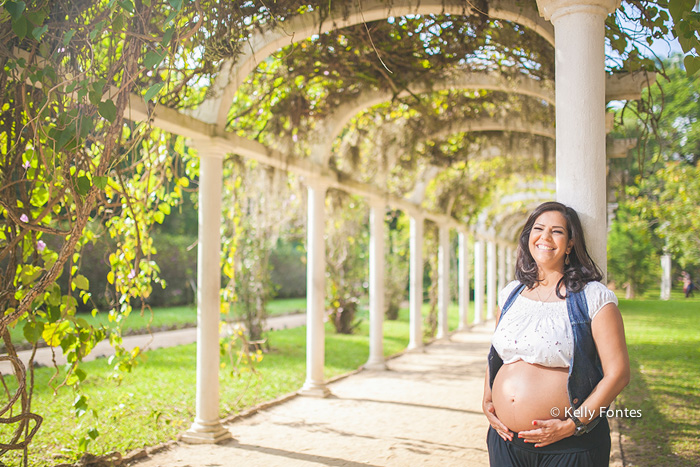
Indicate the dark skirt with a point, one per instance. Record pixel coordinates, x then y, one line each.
589 450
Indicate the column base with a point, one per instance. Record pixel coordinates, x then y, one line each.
375 365
311 389
442 334
206 434
415 348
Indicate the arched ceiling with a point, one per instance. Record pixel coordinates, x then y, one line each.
332 93
264 43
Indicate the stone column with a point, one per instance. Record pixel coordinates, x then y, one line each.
315 384
502 257
443 281
666 277
415 340
207 426
463 281
479 279
510 264
491 285
579 32
376 285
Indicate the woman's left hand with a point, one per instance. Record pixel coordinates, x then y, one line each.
548 431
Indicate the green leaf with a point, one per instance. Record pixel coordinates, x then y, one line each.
100 182
68 36
119 22
83 185
32 331
36 17
692 64
80 405
167 37
37 32
108 110
153 58
20 27
153 91
81 282
177 4
80 374
127 5
93 433
15 9
678 7
159 217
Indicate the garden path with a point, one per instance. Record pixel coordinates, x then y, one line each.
425 410
45 356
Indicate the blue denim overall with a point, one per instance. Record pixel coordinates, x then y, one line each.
585 371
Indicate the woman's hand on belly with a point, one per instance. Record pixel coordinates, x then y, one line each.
548 431
523 392
495 423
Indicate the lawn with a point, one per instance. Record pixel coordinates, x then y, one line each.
156 401
171 318
664 347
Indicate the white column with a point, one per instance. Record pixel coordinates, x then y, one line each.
502 256
491 279
376 285
580 117
416 283
510 264
463 281
207 427
666 277
479 279
443 281
315 384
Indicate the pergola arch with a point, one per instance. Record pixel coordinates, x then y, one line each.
580 158
333 124
512 209
263 44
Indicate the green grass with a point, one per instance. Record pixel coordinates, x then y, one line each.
664 346
156 401
175 317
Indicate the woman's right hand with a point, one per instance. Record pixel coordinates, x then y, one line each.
496 424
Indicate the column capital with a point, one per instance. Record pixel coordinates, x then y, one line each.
317 183
208 148
376 202
553 9
416 213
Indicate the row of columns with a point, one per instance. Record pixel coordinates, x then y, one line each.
496 277
581 182
206 427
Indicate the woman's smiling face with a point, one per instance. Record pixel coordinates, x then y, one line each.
549 241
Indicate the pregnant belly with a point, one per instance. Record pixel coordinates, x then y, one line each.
523 392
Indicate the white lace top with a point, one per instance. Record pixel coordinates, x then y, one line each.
540 332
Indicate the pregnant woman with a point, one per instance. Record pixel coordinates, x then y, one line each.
558 356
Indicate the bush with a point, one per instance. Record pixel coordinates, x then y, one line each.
288 262
178 268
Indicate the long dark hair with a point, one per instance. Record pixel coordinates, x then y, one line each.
581 269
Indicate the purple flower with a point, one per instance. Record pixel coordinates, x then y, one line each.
40 245
131 275
26 165
24 218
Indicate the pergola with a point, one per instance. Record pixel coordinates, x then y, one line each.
575 28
